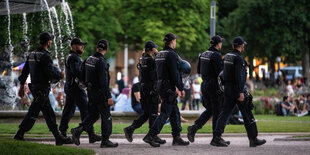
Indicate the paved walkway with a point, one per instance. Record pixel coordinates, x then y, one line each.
239 145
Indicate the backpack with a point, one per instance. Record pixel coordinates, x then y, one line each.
278 109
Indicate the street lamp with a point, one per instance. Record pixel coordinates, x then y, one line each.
212 21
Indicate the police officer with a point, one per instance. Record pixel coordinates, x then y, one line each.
97 80
235 75
210 64
149 97
169 78
75 93
39 65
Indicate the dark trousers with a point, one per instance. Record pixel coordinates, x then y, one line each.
249 121
213 104
149 105
186 99
73 99
94 111
41 103
171 111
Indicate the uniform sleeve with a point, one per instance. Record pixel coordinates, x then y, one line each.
75 66
218 64
239 84
152 70
174 71
51 71
103 79
198 66
25 72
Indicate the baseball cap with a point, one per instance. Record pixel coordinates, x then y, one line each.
216 39
103 44
170 36
239 41
150 45
45 36
77 41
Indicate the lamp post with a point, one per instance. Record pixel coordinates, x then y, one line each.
212 21
278 59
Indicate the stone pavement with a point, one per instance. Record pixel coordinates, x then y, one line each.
239 145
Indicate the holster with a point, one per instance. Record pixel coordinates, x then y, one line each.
172 96
248 100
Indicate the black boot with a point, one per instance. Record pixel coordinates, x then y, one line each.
60 139
191 131
219 142
257 142
128 133
227 142
151 140
108 143
178 141
76 133
158 140
93 137
19 135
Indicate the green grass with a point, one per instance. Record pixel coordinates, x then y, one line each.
266 123
10 146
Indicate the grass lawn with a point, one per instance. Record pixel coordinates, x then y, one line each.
10 146
266 123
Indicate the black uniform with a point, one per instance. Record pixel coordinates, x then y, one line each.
149 96
235 77
75 96
210 65
168 79
97 79
40 67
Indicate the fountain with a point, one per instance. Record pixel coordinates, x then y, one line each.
8 91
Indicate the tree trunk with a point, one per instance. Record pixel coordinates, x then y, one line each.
306 66
273 68
251 67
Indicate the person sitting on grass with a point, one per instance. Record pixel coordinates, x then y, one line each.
287 108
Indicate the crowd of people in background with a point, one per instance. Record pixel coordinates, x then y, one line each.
125 98
295 99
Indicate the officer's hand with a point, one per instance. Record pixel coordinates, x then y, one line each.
110 102
182 93
241 97
62 74
21 92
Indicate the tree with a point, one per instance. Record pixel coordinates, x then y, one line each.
151 19
272 28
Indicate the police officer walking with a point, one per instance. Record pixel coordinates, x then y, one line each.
210 64
75 93
39 65
235 75
149 97
97 80
169 78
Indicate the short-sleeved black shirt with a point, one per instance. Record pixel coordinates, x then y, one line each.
135 88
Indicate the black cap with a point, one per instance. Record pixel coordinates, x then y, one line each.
150 45
239 41
216 39
103 44
170 36
45 36
77 41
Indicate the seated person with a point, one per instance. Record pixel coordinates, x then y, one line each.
135 98
287 108
123 101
